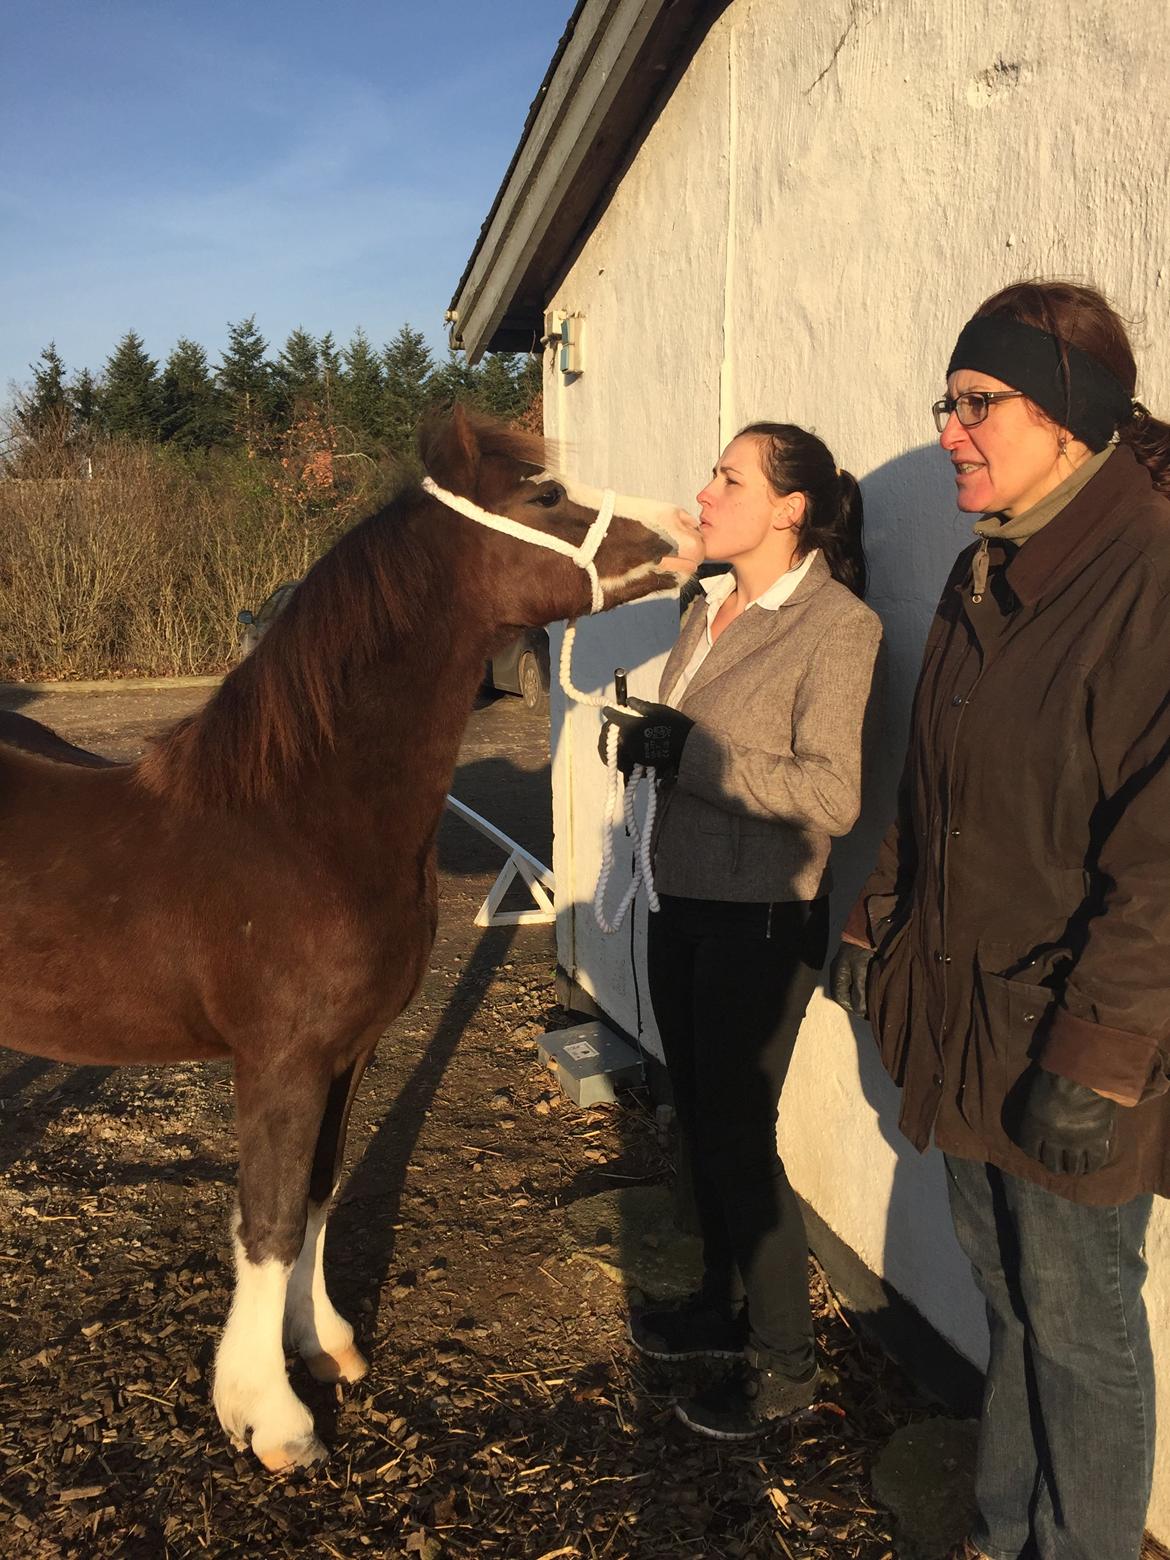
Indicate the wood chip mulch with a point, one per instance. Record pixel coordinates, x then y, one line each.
505 1414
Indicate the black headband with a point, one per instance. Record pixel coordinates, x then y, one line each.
1086 398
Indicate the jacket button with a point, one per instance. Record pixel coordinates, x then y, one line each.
955 833
1029 1017
937 957
937 1080
958 699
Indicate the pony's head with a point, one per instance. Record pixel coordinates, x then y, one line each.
542 576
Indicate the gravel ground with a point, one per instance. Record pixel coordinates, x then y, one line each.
505 1414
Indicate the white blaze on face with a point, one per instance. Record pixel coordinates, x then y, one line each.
676 527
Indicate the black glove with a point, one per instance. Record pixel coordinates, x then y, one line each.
652 735
847 975
1064 1125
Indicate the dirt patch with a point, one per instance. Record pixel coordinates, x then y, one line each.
505 1414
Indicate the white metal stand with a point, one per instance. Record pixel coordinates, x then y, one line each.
538 877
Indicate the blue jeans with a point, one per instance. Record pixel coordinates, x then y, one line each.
1066 1442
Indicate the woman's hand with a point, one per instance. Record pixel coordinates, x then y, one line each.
847 977
1069 1128
652 735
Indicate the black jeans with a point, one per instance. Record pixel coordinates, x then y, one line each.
730 984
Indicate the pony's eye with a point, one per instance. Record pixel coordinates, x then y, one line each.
549 497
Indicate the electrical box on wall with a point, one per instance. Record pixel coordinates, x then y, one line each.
572 348
564 333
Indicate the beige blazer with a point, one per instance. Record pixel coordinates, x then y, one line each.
772 768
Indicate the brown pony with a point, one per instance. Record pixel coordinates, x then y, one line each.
262 884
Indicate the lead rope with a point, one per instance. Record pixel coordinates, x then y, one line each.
640 837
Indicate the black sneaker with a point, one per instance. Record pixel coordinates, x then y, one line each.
749 1402
692 1330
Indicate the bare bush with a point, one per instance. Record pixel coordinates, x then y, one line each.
128 560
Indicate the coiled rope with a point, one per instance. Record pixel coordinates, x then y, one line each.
640 837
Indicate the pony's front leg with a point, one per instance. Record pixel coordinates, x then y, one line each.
252 1391
278 1118
322 1338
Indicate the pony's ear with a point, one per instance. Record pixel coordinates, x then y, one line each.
449 449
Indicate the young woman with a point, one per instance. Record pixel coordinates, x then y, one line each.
758 747
1020 909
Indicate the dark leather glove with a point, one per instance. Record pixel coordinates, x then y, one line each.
652 735
847 975
1067 1127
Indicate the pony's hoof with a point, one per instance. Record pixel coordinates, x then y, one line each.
347 1364
293 1454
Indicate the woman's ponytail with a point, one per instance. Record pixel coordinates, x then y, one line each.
796 461
840 538
1149 439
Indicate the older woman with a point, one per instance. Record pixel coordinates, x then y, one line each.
1013 943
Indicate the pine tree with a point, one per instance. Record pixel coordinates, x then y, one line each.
298 372
85 399
130 398
407 366
45 406
497 390
529 380
361 388
246 379
454 380
193 415
330 361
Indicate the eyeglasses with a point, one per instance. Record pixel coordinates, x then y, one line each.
970 408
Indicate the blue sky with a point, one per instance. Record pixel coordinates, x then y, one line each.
170 167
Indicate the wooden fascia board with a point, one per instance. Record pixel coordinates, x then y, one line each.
590 74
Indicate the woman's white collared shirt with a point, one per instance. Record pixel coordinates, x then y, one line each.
717 589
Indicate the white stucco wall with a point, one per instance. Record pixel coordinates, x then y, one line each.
800 237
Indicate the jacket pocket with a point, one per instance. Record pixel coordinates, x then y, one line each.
893 995
720 831
1007 1018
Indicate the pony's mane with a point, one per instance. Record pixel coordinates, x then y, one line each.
276 711
492 438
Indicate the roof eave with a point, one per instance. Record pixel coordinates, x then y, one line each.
609 70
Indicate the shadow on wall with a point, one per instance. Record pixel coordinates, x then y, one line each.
913 534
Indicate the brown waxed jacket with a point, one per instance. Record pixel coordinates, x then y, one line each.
1021 903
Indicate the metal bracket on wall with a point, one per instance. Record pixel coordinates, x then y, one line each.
520 863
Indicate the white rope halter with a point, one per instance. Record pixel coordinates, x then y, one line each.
583 555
